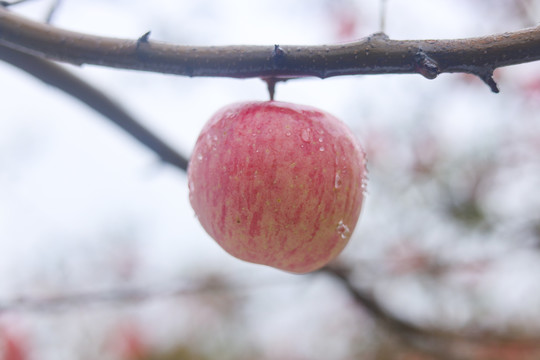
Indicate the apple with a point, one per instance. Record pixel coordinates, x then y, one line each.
278 184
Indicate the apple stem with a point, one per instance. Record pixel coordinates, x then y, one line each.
271 85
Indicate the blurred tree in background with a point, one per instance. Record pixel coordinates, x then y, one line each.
101 256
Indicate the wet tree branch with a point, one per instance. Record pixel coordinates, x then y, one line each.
55 75
376 54
409 334
204 284
439 344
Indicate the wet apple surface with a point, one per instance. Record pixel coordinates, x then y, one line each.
278 184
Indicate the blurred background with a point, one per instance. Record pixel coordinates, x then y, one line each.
101 255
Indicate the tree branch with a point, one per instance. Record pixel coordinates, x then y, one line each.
442 344
376 54
53 74
409 334
111 296
210 283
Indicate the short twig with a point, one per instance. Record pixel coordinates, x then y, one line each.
52 11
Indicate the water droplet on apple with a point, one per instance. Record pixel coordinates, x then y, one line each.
199 157
343 230
306 135
321 139
288 133
337 181
321 148
364 185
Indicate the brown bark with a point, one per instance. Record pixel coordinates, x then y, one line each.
376 54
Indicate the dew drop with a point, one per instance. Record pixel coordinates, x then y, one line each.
306 135
343 230
321 139
337 181
321 148
364 185
229 115
199 157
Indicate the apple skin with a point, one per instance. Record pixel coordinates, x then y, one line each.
278 184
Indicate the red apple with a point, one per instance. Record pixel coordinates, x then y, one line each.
278 184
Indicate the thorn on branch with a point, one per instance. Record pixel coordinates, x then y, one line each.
143 39
425 65
487 77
